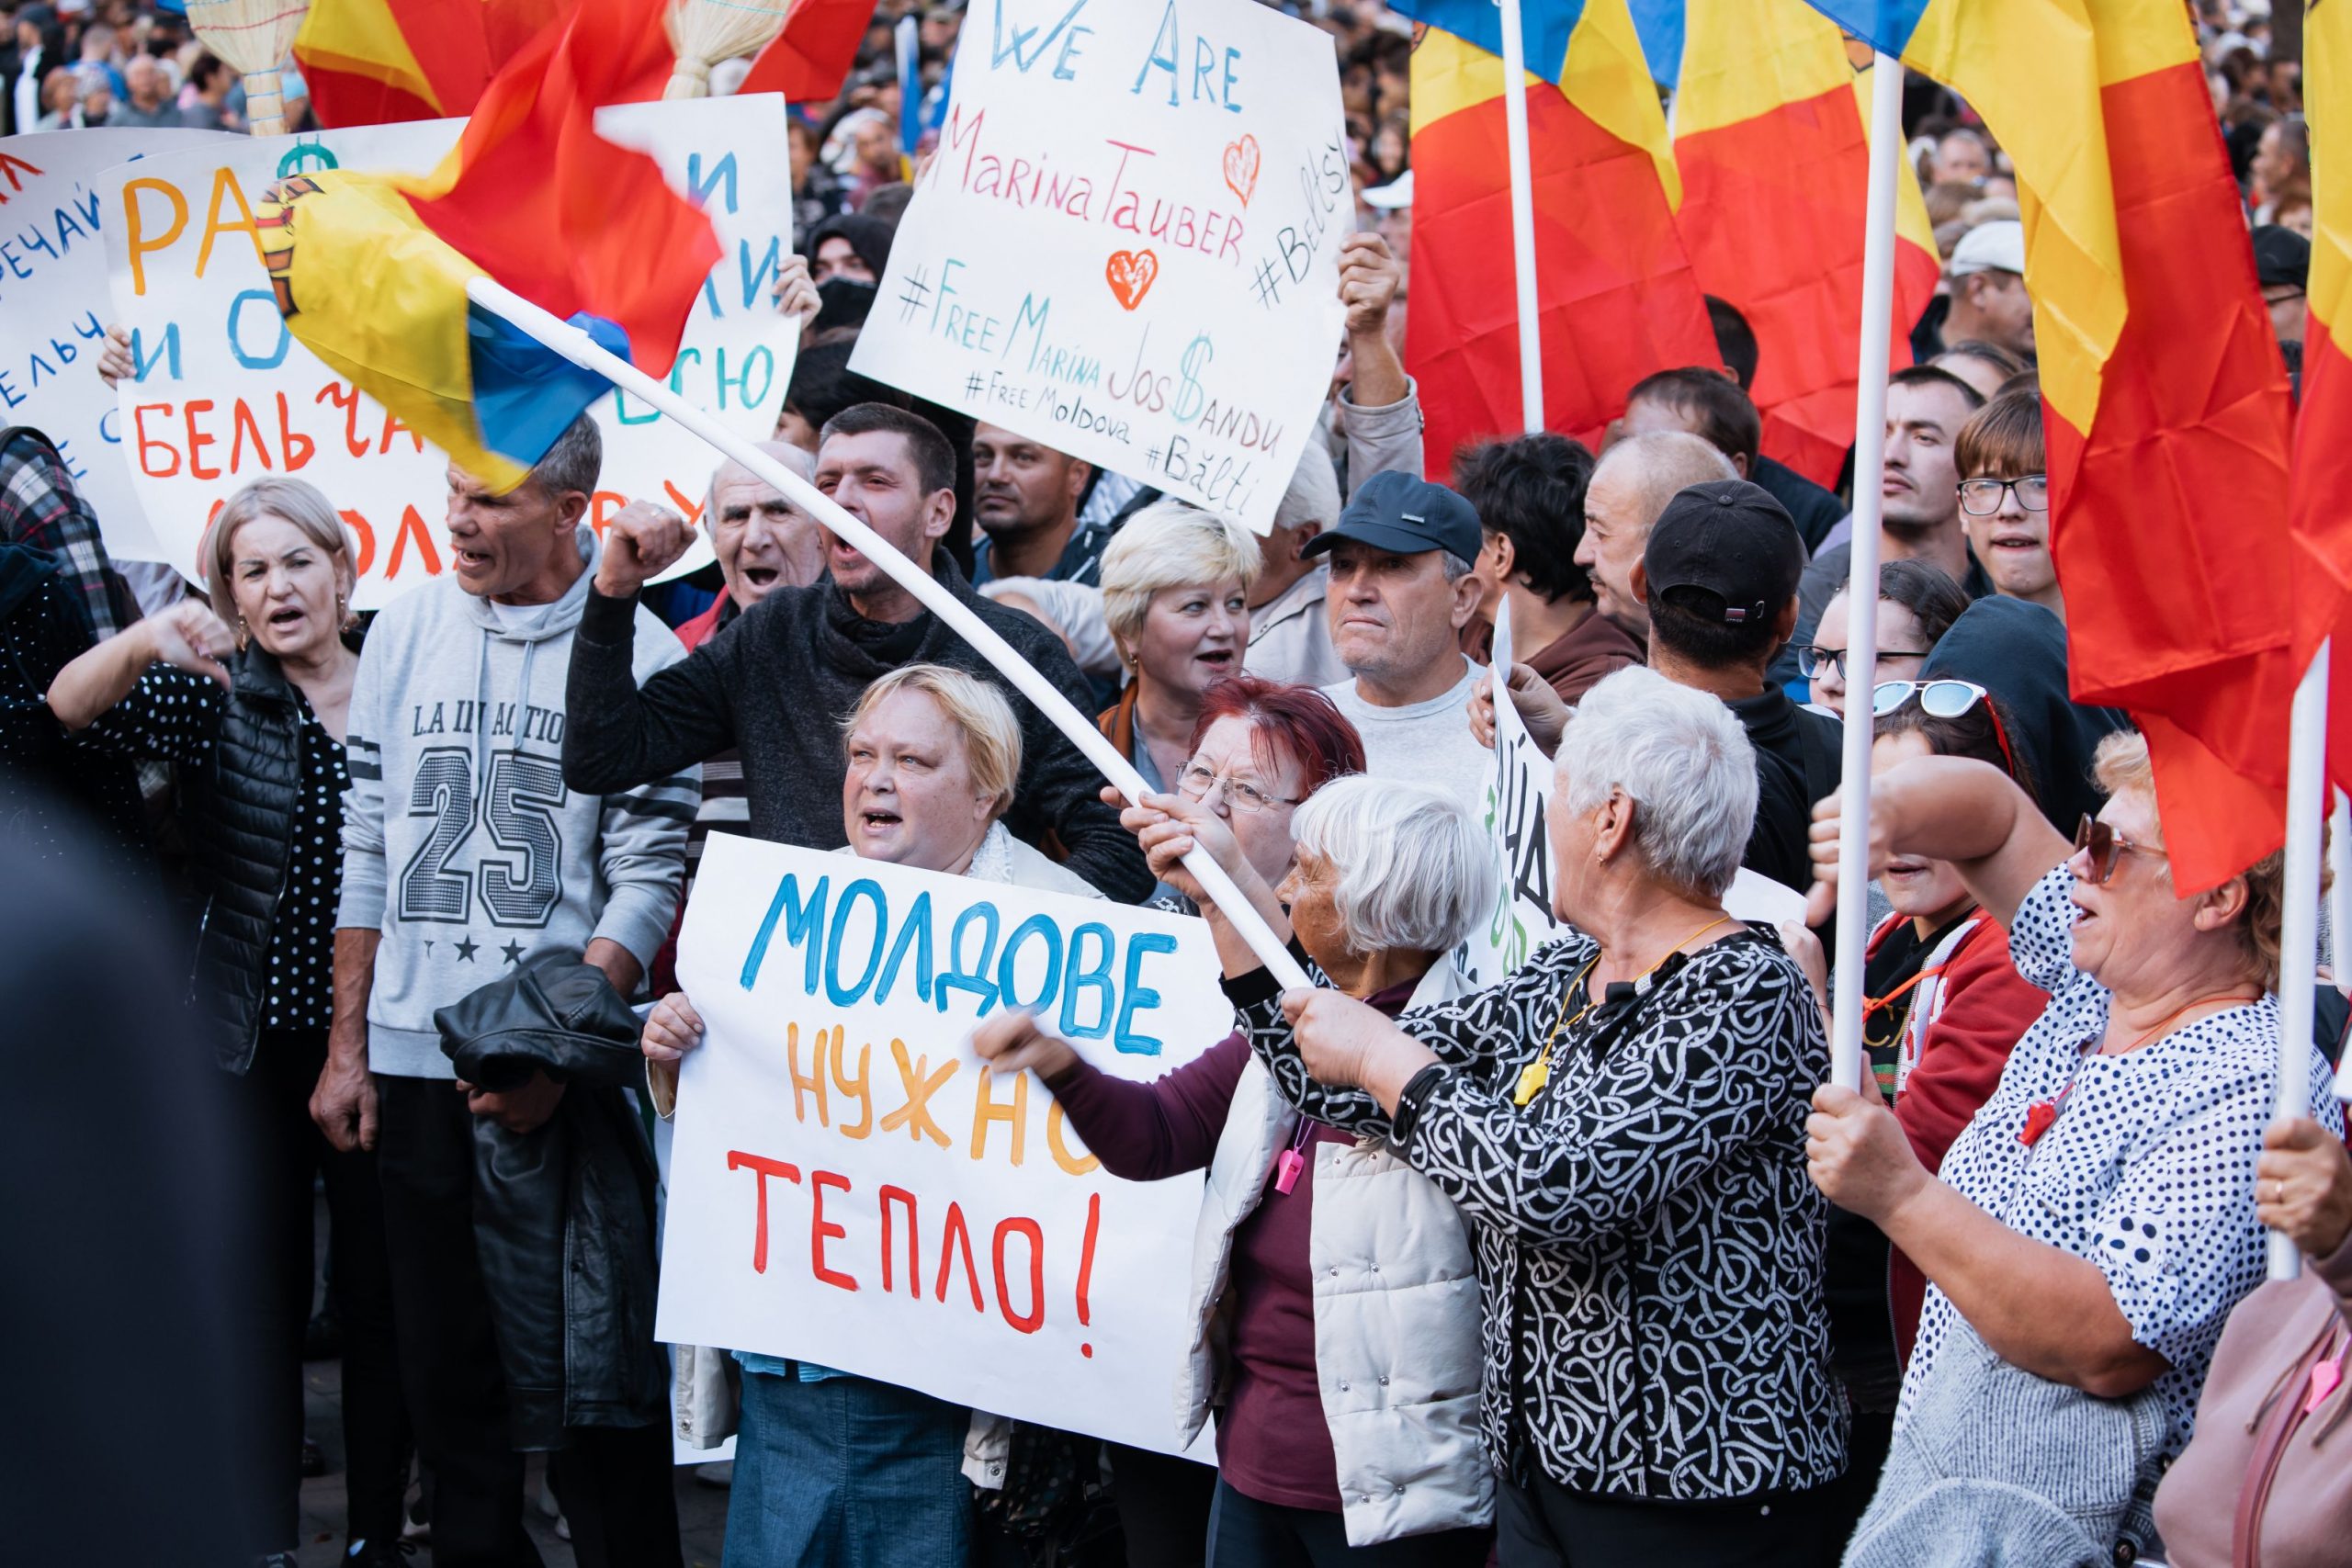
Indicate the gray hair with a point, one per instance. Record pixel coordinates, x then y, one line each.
794 457
1414 871
1314 492
299 502
1664 462
573 462
1684 760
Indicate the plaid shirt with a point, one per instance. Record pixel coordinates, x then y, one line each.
40 508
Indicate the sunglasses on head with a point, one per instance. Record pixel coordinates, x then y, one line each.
1943 699
2106 846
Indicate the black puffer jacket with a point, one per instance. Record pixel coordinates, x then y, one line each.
563 1215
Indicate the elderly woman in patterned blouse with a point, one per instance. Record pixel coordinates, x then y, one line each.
2095 1222
1622 1119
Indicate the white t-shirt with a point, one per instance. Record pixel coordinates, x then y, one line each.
1424 743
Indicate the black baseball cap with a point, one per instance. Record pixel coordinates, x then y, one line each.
1394 510
1724 550
2282 258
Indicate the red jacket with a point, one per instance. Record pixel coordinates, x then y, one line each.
1981 1008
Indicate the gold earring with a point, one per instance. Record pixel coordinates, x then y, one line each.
244 634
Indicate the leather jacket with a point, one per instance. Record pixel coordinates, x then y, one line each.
564 1215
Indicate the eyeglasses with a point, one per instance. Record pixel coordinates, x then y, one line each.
1814 660
1198 779
1943 699
1982 498
2106 846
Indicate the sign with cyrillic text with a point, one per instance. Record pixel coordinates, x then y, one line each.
54 309
224 394
850 1185
1126 244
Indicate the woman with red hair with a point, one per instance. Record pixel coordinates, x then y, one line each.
1332 1391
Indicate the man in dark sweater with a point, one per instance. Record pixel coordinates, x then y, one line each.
776 681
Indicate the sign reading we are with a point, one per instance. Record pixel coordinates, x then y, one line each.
223 393
1126 243
850 1185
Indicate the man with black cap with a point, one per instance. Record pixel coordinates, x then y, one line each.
2282 262
1719 576
1401 591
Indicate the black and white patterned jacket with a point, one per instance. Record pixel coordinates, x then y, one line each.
1649 1246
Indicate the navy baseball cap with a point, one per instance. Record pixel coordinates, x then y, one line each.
1726 551
1394 510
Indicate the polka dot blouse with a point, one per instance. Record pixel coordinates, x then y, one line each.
2148 1171
175 715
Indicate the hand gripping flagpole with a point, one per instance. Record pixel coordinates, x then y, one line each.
1845 1066
2307 797
1522 220
577 347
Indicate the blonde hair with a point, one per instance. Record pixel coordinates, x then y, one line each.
991 733
301 504
1171 545
2122 763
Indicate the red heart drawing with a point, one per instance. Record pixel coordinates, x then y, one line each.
1241 162
1130 274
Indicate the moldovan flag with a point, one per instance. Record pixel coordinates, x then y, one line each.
371 271
1770 133
377 61
2163 390
2322 507
810 58
1615 291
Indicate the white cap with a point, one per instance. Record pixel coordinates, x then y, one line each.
1397 193
1998 246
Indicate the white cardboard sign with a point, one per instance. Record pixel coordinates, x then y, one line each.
1126 244
850 1186
54 309
224 393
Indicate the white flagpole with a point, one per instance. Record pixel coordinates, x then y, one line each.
2340 898
2307 795
1522 220
1846 1065
577 347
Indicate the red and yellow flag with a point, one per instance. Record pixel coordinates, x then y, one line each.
1615 289
1770 133
2163 388
377 61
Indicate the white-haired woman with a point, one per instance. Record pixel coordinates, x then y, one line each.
2090 1228
824 1456
254 716
1346 1421
1622 1119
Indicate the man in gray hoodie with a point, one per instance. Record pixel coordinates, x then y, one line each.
465 857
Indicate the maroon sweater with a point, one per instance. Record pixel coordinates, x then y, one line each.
1273 1444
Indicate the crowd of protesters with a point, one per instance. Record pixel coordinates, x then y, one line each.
1631 1285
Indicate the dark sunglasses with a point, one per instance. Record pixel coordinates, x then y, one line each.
2106 846
1943 699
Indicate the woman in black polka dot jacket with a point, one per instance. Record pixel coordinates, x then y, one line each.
248 698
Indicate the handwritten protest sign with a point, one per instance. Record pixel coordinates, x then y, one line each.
53 308
849 1185
1518 794
224 393
1126 244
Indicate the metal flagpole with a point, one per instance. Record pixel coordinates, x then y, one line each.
577 347
1522 220
1862 589
2298 939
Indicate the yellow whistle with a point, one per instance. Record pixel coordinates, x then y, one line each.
1531 1079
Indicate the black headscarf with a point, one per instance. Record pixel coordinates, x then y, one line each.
2016 650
